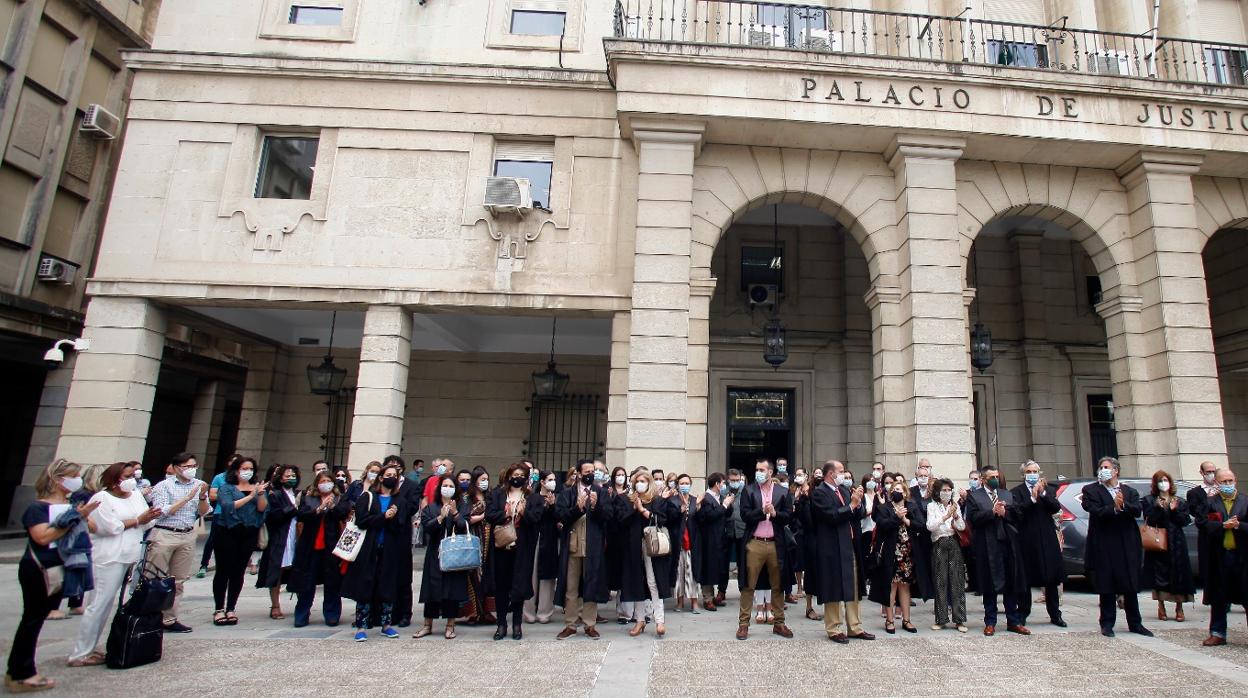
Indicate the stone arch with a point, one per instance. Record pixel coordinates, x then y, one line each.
855 189
1090 203
1221 202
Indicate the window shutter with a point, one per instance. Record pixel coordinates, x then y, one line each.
1220 20
1020 11
541 151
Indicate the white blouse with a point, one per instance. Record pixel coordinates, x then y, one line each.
112 542
936 520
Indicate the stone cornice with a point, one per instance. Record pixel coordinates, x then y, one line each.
358 69
919 145
667 131
1148 162
882 294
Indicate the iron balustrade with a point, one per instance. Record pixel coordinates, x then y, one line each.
931 38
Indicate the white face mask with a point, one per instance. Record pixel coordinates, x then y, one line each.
641 486
877 474
71 484
448 492
188 473
1209 477
549 485
245 475
946 496
483 484
801 479
870 485
620 480
1163 485
1106 474
922 480
325 487
370 477
138 474
129 485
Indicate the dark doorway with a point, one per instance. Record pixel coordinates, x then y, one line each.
1101 426
760 425
23 388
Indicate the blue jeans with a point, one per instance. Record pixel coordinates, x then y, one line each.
1219 611
1012 614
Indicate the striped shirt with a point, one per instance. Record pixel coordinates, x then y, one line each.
168 492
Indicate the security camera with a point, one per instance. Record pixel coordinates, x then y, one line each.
55 356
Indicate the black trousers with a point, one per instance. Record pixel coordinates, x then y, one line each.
441 609
1109 610
234 547
36 604
504 599
209 542
1052 603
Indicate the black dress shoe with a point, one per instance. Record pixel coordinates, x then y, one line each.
516 633
1058 622
864 635
1107 632
500 633
176 627
839 639
1141 630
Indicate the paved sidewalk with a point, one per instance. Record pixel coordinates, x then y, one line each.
699 657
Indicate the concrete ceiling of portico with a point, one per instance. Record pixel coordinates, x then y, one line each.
513 334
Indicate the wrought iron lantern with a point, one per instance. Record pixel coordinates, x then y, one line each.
327 379
550 384
775 345
981 347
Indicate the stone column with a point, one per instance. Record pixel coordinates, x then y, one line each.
617 391
930 411
381 389
662 359
1176 405
110 398
883 299
699 385
260 417
204 437
1037 352
859 441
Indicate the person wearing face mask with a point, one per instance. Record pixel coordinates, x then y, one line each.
368 478
119 521
243 500
47 521
734 531
944 521
1036 499
472 497
210 541
280 521
766 508
372 579
897 521
584 511
322 510
171 542
647 578
1199 501
515 512
441 466
1113 552
803 526
540 607
442 593
410 494
1168 571
870 485
973 482
617 486
685 541
921 494
710 558
1226 526
835 577
75 549
994 516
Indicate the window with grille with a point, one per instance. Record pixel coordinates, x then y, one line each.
563 431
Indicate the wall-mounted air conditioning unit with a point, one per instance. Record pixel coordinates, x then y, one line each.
508 195
56 271
100 123
763 294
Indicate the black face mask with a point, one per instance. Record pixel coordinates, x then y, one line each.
390 482
897 496
517 482
587 479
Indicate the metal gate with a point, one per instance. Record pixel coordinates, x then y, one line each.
563 431
337 436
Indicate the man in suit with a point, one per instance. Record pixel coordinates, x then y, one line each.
1114 552
994 515
766 508
582 509
1198 500
922 476
1225 524
710 555
836 514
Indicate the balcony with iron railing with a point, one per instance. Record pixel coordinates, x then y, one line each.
962 39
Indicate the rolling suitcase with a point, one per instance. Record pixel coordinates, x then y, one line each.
138 633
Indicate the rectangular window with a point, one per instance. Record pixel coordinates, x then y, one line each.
533 161
537 22
1018 54
316 16
1226 66
762 265
286 167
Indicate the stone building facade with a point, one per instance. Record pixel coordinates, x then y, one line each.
886 177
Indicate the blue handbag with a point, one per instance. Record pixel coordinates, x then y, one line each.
459 553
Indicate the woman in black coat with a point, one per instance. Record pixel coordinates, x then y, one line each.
617 487
279 524
1037 532
541 606
710 560
471 498
645 578
513 506
372 579
1169 572
803 515
895 563
441 592
684 535
322 508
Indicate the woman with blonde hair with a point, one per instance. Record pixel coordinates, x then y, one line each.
77 585
645 578
40 571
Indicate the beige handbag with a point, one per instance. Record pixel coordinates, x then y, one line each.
656 541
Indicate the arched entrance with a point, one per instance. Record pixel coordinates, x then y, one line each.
1227 290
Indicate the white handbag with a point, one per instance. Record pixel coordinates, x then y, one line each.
352 538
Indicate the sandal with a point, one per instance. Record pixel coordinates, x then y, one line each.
231 618
1178 616
219 618
908 627
92 659
34 683
424 631
275 612
811 615
890 628
55 615
450 631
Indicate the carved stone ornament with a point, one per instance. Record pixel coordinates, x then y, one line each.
513 237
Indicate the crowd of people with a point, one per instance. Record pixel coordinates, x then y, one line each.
642 537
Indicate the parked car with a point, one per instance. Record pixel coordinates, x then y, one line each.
1074 520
